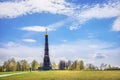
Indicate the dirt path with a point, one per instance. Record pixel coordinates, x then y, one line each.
4 75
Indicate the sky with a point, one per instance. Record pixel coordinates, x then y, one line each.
87 30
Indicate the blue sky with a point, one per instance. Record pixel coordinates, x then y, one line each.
87 30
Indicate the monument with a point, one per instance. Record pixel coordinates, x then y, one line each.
46 60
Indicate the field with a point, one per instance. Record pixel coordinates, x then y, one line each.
64 75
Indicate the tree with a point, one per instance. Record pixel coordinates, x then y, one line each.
62 65
81 65
74 65
109 66
1 68
10 65
19 67
90 67
13 64
77 66
103 66
34 65
5 66
54 65
24 65
68 65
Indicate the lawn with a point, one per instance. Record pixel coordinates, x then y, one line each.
66 75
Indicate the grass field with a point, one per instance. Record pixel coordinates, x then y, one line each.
66 75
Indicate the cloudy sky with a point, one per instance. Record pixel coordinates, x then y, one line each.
87 30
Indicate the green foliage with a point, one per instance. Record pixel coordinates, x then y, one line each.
81 63
54 65
66 75
68 65
13 65
76 65
9 65
1 68
24 65
19 67
35 65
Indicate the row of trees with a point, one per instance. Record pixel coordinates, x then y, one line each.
23 65
76 65
79 65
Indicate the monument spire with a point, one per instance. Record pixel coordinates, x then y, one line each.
46 31
46 61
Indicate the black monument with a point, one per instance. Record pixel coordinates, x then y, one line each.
46 60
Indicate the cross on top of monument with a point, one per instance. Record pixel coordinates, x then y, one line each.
46 31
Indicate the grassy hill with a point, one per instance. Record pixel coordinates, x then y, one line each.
65 75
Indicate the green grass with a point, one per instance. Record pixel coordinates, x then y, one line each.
66 75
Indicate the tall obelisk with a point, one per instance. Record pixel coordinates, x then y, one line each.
46 63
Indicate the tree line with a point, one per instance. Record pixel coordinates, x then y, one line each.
79 65
23 65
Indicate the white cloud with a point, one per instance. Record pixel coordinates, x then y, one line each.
74 26
21 52
35 28
79 14
93 46
86 50
51 27
100 56
116 25
98 11
101 11
18 8
10 44
14 9
29 40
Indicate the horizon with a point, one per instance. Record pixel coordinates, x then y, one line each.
77 29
